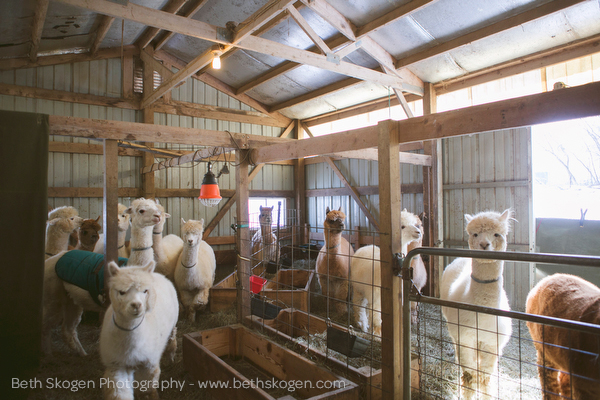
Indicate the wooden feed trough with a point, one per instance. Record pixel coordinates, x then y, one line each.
291 287
291 324
223 295
249 363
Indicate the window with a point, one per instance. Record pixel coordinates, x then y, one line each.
254 205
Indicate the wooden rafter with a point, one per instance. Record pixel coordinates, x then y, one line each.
268 12
172 7
103 27
41 8
304 25
168 35
333 16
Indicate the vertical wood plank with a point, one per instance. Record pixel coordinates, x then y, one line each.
390 240
111 200
299 188
243 234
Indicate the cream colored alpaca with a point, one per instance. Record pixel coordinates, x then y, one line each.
264 241
195 270
138 327
366 276
419 271
58 231
122 227
333 261
145 213
166 249
65 212
478 338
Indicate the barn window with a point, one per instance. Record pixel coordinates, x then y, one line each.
138 79
254 205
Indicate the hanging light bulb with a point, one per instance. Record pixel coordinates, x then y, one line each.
210 195
216 51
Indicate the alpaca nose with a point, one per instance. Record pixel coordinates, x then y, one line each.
190 241
484 246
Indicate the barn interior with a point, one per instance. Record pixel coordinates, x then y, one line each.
368 107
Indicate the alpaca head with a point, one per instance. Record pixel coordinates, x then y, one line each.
131 289
191 231
159 226
266 216
412 227
488 230
123 217
144 213
334 220
65 225
63 212
88 231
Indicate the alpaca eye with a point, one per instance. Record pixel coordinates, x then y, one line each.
497 235
122 292
72 218
403 226
146 291
474 235
142 211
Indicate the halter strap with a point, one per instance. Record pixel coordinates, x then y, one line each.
333 247
51 255
145 248
484 281
128 329
120 247
191 266
156 233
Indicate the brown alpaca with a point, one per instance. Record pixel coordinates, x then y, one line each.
264 241
333 261
567 359
419 271
87 234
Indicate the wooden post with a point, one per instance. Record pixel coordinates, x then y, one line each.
390 243
243 234
111 203
300 187
148 187
433 195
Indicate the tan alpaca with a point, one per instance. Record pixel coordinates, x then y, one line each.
419 271
562 352
264 241
87 234
333 261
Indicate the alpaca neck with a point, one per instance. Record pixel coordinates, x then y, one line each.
127 323
121 238
267 233
141 245
332 240
487 270
86 247
189 255
56 241
157 236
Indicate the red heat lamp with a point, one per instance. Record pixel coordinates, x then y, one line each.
210 195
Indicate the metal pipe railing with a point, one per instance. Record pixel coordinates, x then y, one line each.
546 258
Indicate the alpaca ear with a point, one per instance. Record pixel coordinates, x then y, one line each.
422 216
507 215
129 210
182 221
202 221
113 268
98 219
405 210
340 208
149 267
327 210
260 208
468 218
53 221
167 215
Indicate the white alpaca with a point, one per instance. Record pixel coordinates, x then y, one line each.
478 338
139 325
264 241
195 270
58 231
166 249
65 302
365 275
65 212
122 227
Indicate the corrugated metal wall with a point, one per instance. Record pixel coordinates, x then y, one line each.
491 171
359 173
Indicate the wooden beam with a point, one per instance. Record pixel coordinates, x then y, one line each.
500 26
574 102
90 192
148 180
37 26
110 203
243 235
134 131
215 221
87 148
102 54
260 18
303 24
197 155
393 15
172 7
199 4
300 187
205 31
70 97
362 190
333 17
326 90
103 27
128 72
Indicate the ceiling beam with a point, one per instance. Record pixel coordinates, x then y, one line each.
201 30
101 31
37 26
569 103
500 26
303 24
333 16
266 13
168 35
172 7
392 16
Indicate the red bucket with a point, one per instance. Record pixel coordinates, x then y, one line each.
256 283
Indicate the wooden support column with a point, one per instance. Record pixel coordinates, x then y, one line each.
243 234
148 187
111 202
128 72
300 189
433 195
390 243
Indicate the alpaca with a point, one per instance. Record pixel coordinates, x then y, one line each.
58 231
419 271
87 234
144 215
264 241
567 359
366 275
122 227
478 339
333 261
167 249
138 327
65 212
195 270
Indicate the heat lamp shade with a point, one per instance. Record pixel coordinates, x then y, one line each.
210 191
